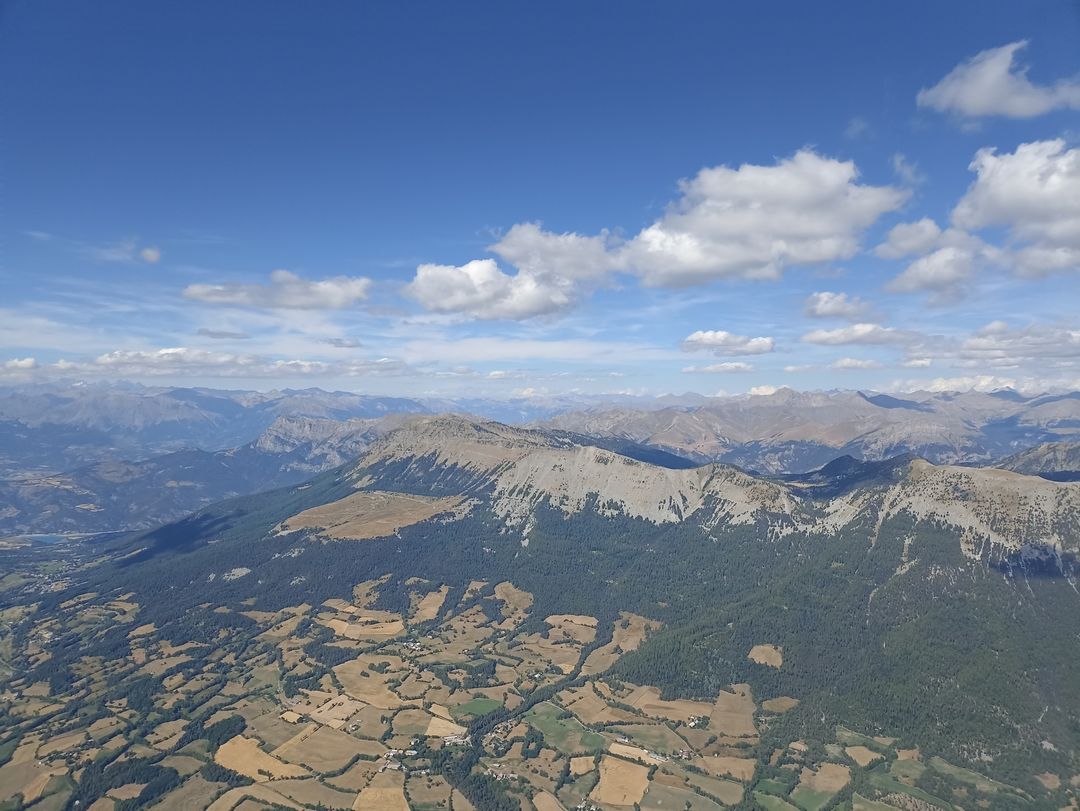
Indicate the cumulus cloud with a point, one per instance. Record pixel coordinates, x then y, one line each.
750 222
1034 193
480 289
20 364
945 272
728 367
998 345
854 364
553 271
909 238
835 305
764 391
720 342
944 263
286 291
991 83
858 334
754 221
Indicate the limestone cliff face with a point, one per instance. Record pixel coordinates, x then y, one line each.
989 510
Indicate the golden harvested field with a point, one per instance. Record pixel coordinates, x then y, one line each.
1051 781
440 728
733 713
195 792
243 755
630 631
647 699
324 749
740 768
311 792
731 793
516 601
234 799
370 689
780 704
862 755
428 606
355 777
829 778
546 802
428 791
360 624
368 514
576 626
582 765
336 711
385 792
769 655
621 783
590 708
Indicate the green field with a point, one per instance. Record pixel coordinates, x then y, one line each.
474 708
655 737
565 734
810 800
772 803
770 786
859 803
671 797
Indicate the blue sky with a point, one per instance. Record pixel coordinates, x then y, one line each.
433 198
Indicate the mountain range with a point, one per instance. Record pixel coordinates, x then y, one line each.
790 431
910 599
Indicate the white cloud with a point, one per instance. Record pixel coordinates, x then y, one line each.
992 83
908 171
720 342
1034 193
835 305
126 251
752 222
945 263
728 367
188 362
764 391
963 383
909 238
852 364
998 345
553 271
286 291
755 221
858 334
480 289
20 364
917 363
945 272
